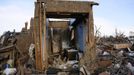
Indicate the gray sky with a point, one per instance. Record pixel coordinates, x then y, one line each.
109 15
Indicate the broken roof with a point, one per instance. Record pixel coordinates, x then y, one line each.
66 8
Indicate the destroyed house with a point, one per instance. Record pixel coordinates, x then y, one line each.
60 25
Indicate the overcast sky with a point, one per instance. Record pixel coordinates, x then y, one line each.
109 15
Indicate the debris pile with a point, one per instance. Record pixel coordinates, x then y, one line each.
115 56
64 47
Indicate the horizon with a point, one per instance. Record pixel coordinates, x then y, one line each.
108 16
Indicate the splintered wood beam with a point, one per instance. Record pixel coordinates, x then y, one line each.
91 27
91 44
45 53
37 37
40 35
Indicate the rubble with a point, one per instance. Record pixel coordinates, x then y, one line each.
120 56
65 47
